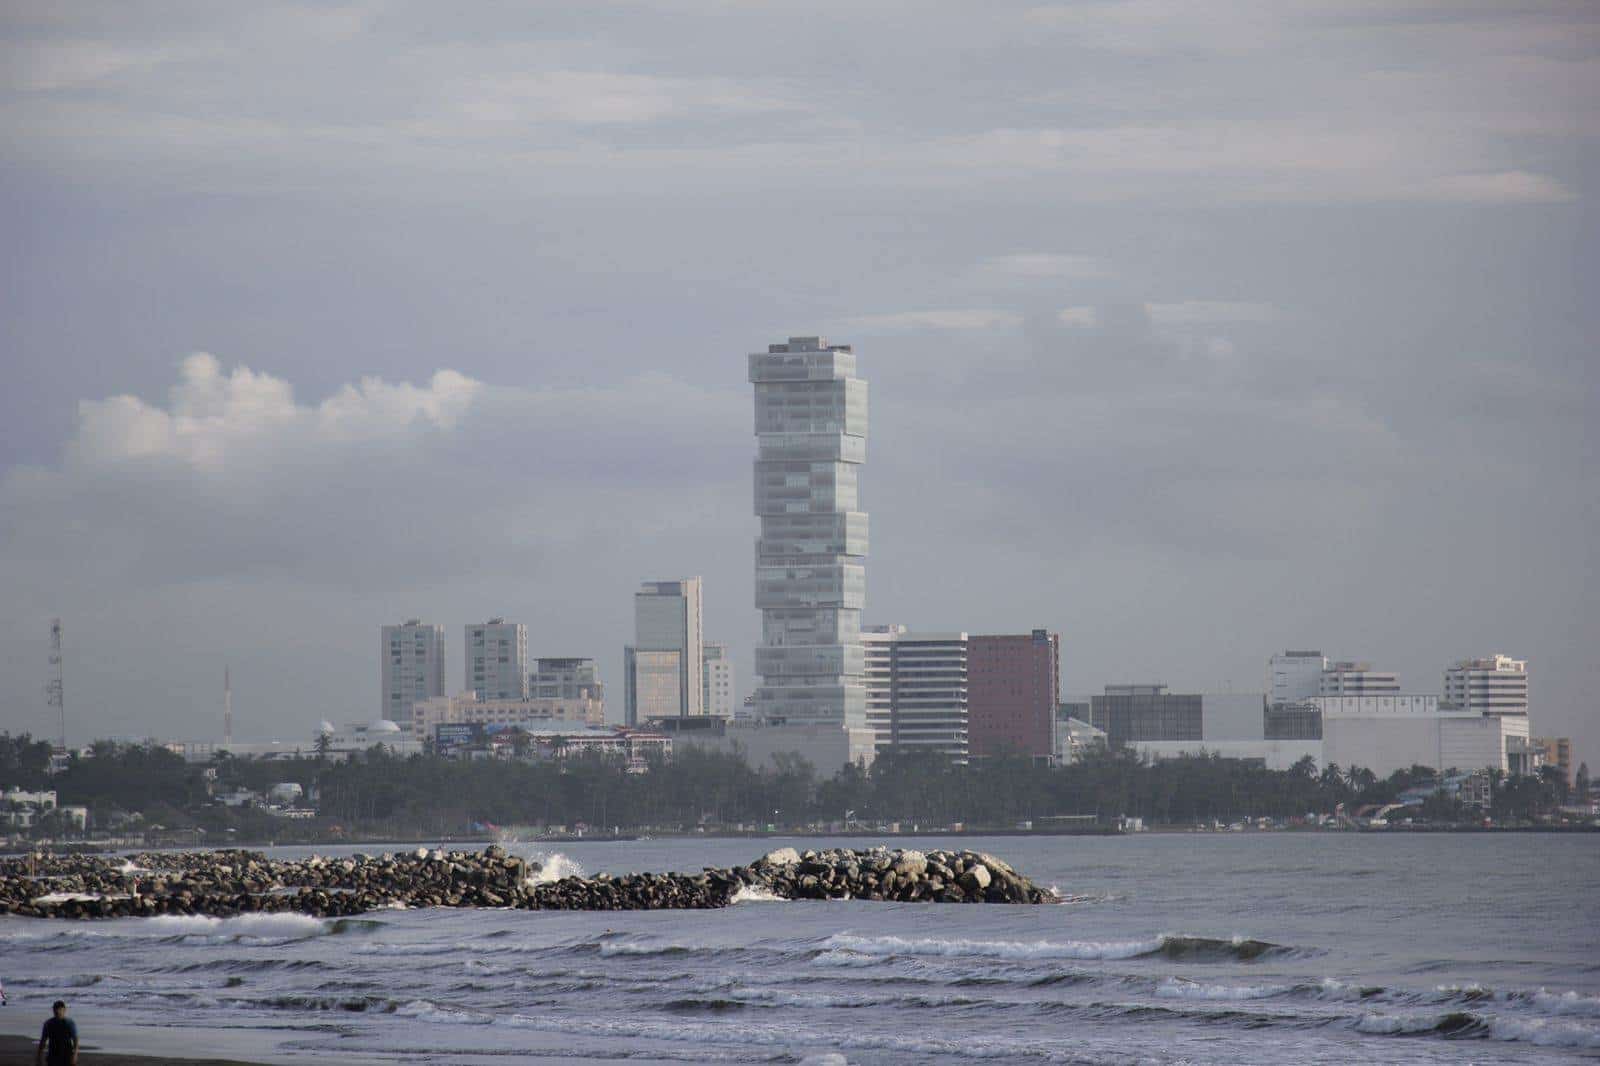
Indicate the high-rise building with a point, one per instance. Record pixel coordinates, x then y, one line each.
1357 679
1013 688
811 431
1295 676
664 665
916 690
716 690
1129 714
1495 685
497 660
565 679
412 667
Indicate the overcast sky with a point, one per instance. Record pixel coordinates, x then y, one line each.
1194 332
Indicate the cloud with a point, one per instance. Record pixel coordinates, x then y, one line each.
1208 312
1504 187
907 321
1045 265
1078 316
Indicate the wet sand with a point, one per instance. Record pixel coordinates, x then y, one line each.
18 1051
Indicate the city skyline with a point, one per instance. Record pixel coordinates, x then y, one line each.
1184 379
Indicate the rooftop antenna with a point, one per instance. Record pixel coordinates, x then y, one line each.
227 709
54 690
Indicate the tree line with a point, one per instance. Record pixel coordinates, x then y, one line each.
426 794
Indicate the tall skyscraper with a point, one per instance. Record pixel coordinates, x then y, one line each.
811 432
1496 685
717 688
412 658
497 660
664 665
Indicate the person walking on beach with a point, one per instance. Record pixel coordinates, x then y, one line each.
58 1043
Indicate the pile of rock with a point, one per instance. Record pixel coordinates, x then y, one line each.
224 883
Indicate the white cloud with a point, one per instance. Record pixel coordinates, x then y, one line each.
601 97
1045 265
1504 187
905 321
1078 316
1208 312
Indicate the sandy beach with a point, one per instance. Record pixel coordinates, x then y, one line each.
18 1051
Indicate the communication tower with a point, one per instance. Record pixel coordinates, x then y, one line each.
55 689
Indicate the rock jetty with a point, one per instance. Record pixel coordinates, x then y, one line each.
226 883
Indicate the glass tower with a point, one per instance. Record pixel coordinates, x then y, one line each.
811 433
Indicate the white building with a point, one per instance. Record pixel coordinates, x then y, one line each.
466 708
811 432
1377 705
916 690
824 745
359 737
1496 685
717 696
1295 676
664 666
1273 754
412 667
1383 737
1357 679
497 659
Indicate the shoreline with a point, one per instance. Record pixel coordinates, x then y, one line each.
18 1051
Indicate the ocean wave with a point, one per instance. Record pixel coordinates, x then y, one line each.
553 867
1179 988
1456 1025
260 930
1185 948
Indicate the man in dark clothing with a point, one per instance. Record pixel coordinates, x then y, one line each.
58 1044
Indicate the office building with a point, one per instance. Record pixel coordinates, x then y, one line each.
1557 752
1158 724
497 659
663 667
716 689
412 658
1131 713
1495 685
811 432
1357 679
1013 690
1295 676
916 691
565 679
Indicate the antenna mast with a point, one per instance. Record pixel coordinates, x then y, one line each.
55 689
227 708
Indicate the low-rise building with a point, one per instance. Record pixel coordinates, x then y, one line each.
467 709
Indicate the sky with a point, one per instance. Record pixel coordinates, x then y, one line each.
1193 332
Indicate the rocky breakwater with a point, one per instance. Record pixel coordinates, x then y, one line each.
226 883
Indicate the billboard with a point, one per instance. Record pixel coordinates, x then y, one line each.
448 736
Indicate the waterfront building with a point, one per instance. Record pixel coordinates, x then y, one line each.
1132 713
1295 676
916 690
811 432
716 681
1357 679
664 667
357 738
467 708
412 667
1494 685
1388 734
1557 752
497 659
1013 690
760 741
565 679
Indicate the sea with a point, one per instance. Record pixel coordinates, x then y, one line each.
1253 947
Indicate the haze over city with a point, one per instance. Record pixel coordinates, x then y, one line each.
1190 337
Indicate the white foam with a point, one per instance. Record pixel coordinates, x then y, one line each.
553 867
260 930
1569 1003
884 946
426 1011
1178 988
1545 1032
757 894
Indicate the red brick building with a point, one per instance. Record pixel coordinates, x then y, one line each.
1013 688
